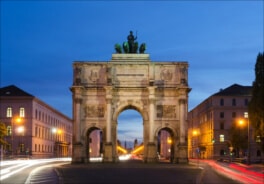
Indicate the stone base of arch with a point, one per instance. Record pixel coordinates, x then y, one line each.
108 153
182 154
77 156
152 156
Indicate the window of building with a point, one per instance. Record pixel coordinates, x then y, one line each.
233 114
258 153
9 130
222 138
222 114
222 102
258 139
36 114
36 131
233 102
222 125
246 102
9 112
222 152
22 147
22 112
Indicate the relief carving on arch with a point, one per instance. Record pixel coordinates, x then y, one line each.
93 75
94 111
166 111
77 75
166 74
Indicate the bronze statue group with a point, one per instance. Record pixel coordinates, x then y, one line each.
130 46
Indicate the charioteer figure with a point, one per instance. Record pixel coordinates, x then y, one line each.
131 43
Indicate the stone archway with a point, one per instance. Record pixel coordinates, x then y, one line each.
93 143
157 90
167 141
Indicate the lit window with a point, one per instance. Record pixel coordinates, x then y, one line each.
222 138
9 130
258 139
22 112
9 112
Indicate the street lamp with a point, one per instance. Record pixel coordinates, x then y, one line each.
241 122
16 120
57 133
195 133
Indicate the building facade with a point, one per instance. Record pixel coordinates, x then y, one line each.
213 123
34 129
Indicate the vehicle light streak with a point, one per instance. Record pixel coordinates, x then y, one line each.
9 171
243 177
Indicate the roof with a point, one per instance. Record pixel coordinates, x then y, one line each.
13 90
235 90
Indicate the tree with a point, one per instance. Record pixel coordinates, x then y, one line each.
256 105
3 132
238 137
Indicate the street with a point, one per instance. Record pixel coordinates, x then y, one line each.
61 171
137 172
21 171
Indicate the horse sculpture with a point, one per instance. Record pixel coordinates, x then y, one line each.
130 46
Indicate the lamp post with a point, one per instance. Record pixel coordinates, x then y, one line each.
57 133
241 122
169 142
195 133
248 156
20 131
17 120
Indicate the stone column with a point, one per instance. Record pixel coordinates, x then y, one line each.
182 107
108 120
108 98
152 150
152 99
77 146
77 120
182 151
108 151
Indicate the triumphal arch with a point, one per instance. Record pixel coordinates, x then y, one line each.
157 90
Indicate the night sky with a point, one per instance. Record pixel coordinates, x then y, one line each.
41 40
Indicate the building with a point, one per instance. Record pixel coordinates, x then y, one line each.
210 124
34 129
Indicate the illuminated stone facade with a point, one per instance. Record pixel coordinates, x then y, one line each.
102 90
34 129
210 123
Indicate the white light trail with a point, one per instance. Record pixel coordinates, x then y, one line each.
20 165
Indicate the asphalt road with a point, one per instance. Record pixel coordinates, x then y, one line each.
138 172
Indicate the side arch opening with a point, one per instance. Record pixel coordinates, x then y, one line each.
94 144
165 144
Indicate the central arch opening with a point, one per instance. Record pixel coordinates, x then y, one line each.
130 135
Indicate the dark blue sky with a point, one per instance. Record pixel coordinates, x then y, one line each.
40 41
